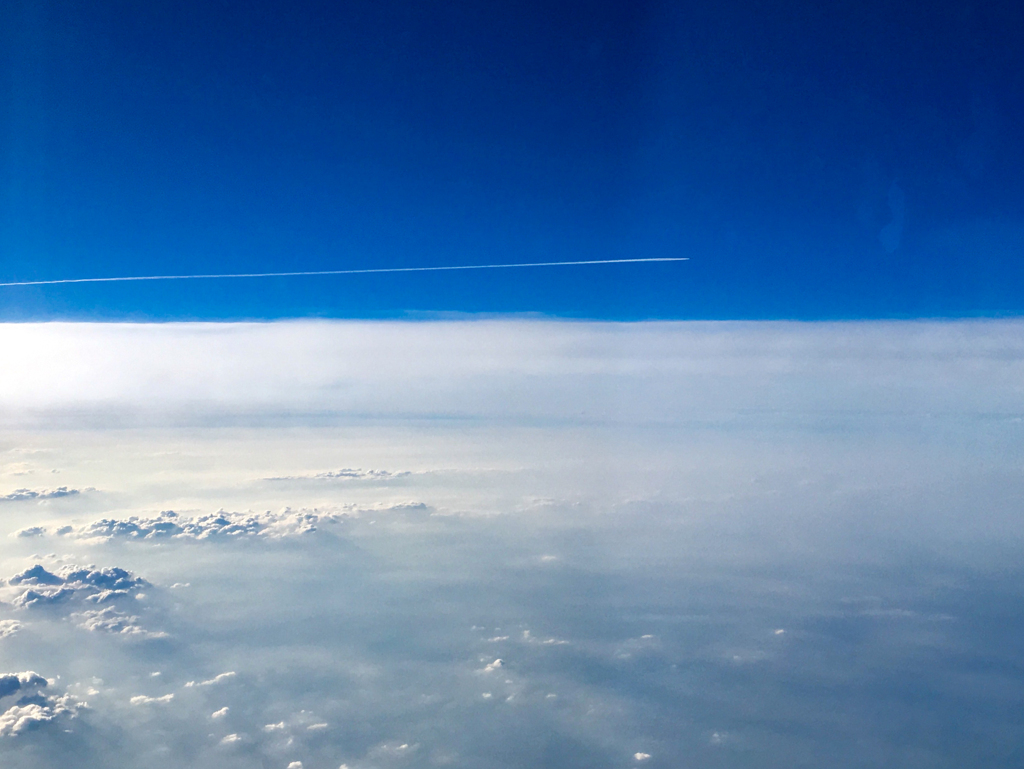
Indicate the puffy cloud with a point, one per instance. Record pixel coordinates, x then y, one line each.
222 524
12 683
30 531
20 495
109 620
35 598
641 756
89 578
492 666
219 525
34 706
36 575
220 713
73 583
9 627
21 718
76 586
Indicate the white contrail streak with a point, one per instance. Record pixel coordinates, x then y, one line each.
343 272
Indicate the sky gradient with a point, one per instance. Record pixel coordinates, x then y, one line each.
855 160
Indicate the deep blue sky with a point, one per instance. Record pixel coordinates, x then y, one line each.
815 160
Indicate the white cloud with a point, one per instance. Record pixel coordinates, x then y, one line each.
72 586
21 495
22 718
510 368
141 699
9 627
34 706
345 474
109 620
231 739
392 749
220 713
314 618
215 680
15 683
641 756
213 526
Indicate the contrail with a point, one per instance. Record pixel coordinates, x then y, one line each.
344 272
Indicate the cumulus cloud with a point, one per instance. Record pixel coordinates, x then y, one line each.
79 587
40 587
219 525
9 627
34 706
110 620
20 495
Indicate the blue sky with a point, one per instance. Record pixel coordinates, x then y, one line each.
854 160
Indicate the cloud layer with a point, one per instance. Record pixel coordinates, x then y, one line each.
599 546
510 369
